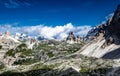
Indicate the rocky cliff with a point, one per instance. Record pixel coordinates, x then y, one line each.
105 39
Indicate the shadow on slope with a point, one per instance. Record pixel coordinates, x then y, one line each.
115 54
68 72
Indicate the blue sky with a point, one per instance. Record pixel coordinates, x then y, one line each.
55 12
38 15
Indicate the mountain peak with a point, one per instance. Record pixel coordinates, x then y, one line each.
105 38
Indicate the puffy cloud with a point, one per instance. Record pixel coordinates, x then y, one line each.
49 32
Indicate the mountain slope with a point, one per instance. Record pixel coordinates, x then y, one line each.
106 40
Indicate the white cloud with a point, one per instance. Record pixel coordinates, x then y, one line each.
58 32
16 4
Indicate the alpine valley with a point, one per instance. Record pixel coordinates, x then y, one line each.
96 54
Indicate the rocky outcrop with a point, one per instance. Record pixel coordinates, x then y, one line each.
110 30
104 38
71 37
115 23
74 39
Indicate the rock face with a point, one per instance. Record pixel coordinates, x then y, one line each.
73 39
104 40
116 20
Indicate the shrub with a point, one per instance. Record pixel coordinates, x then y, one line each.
2 66
11 52
50 54
84 70
26 62
43 66
22 45
22 48
26 52
0 46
